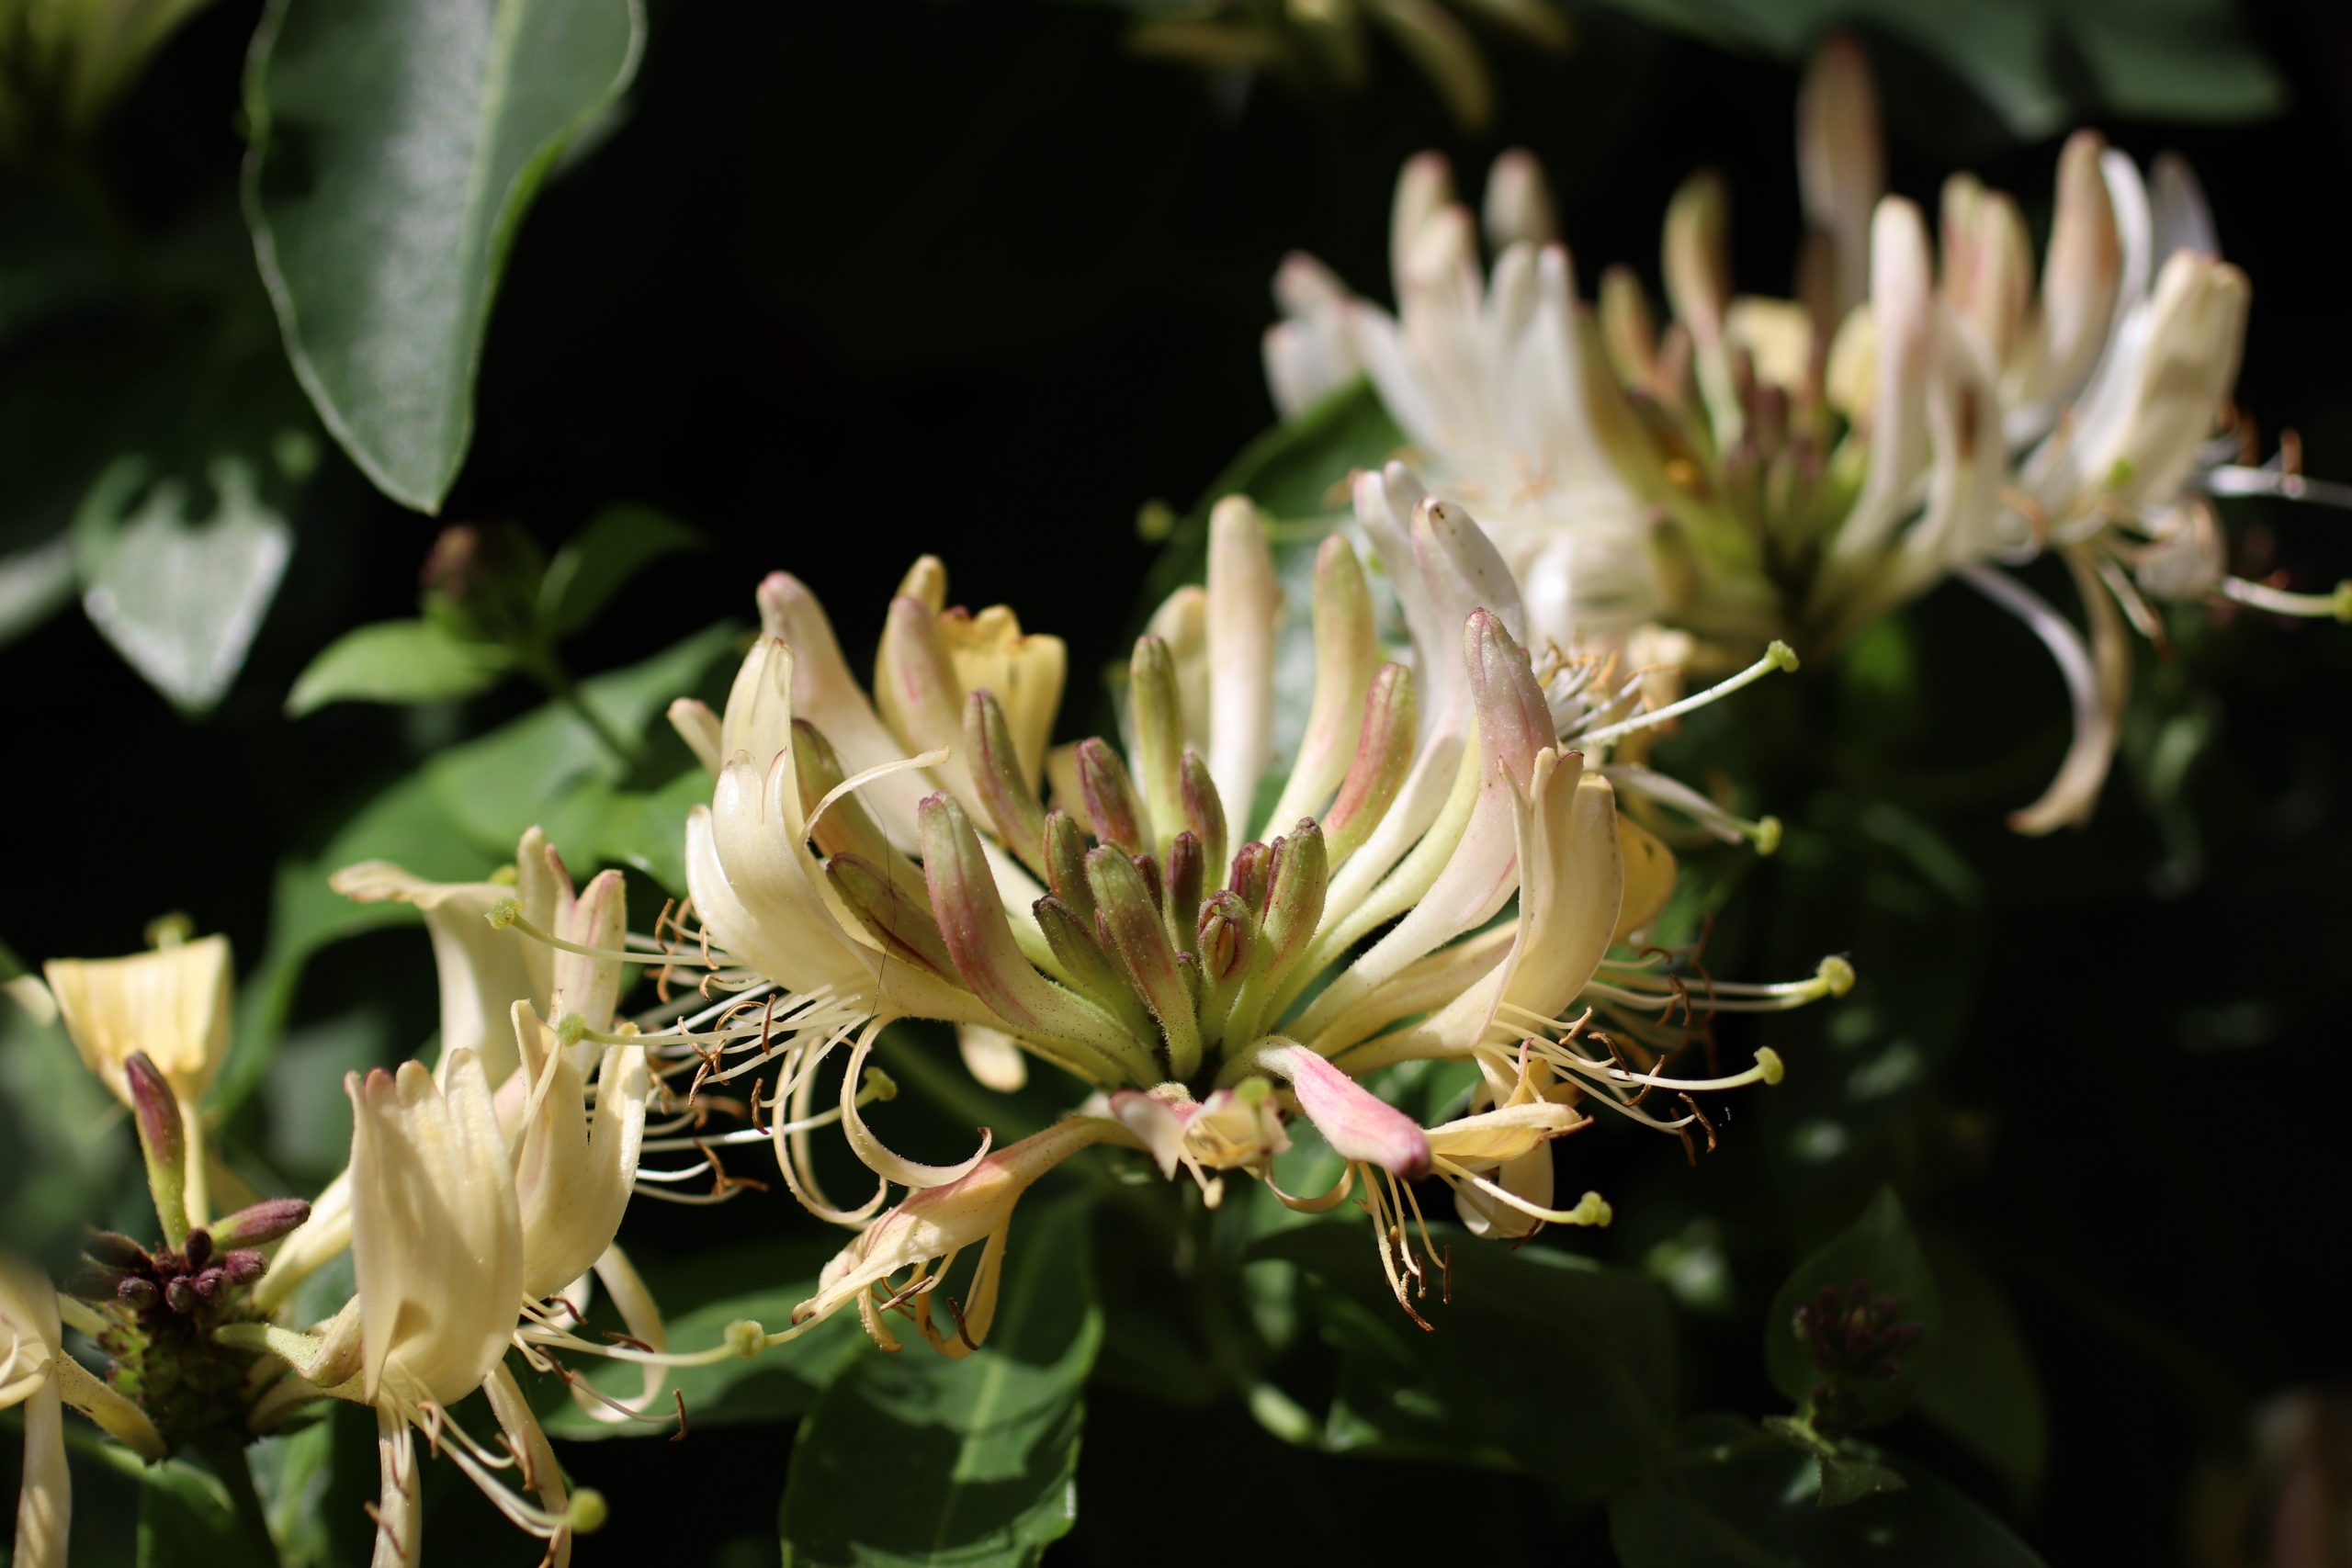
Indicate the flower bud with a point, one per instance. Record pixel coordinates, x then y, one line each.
1698 255
1182 900
1841 168
261 1223
1024 671
114 1249
1519 209
1156 718
1297 878
916 689
1250 867
1110 797
905 927
242 1267
163 1138
1347 653
979 938
1089 968
1514 721
1065 865
1007 793
1128 922
139 1295
1385 748
1203 811
1245 610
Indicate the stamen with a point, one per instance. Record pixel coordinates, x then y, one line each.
2280 602
508 912
1779 656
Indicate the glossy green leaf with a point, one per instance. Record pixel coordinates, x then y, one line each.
1480 1386
698 1301
1878 1251
179 583
396 145
1734 1497
396 661
618 543
914 1458
1980 1386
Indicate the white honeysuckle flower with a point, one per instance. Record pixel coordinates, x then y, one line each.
438 1247
1925 408
30 1349
174 1004
1205 963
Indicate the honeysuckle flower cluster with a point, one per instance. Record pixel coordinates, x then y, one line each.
1797 468
1212 944
481 1197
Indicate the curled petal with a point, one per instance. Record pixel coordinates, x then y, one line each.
877 1155
1357 1123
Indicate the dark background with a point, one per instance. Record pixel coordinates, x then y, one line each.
846 284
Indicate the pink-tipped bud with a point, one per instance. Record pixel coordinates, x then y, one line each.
1357 1123
1110 797
1066 864
114 1249
1384 756
905 929
1296 880
261 1223
1128 923
1251 865
163 1138
1187 871
1514 721
1204 810
1013 809
242 1267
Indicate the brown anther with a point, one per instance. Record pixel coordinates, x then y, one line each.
679 1395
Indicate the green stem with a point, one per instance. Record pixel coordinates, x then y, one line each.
542 666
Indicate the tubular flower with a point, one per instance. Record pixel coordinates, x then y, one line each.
437 1245
1798 467
172 1005
30 1353
510 956
1208 966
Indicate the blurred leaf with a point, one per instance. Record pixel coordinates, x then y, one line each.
698 1299
643 829
397 662
914 1458
186 1519
1847 1480
64 1143
181 593
618 543
396 145
1980 1385
1734 1497
1479 1386
35 583
1879 1250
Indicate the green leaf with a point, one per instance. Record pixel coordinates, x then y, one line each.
35 582
698 1301
1878 1251
396 145
1478 1388
453 820
188 1518
914 1458
618 543
1980 1385
1735 1497
397 662
179 587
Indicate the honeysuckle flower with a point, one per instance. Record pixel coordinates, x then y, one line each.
31 1345
1207 964
552 953
173 1006
1799 468
38 1376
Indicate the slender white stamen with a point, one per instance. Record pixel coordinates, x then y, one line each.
867 776
1779 656
2280 602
